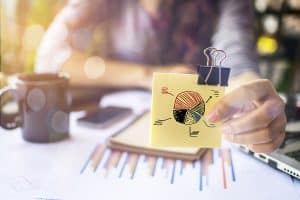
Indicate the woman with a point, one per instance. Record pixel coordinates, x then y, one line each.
119 43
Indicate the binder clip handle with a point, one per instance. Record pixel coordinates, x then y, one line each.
208 54
214 60
215 54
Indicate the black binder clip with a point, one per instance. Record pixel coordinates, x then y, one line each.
213 73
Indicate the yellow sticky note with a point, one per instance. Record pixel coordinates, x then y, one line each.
179 109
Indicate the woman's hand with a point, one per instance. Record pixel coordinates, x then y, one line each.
252 114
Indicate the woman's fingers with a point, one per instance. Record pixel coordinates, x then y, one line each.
264 135
256 119
268 147
239 98
262 128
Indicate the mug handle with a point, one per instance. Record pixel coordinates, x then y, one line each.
8 122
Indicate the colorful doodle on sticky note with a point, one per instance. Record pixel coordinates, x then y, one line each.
189 107
179 109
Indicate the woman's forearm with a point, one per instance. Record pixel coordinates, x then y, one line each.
104 73
117 74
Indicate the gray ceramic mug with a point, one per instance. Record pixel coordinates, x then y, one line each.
43 107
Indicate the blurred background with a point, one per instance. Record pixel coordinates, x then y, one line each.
24 22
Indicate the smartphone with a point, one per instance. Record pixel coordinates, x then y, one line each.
104 117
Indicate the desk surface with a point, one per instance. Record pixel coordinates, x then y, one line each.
63 170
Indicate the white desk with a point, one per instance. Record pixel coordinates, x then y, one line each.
41 171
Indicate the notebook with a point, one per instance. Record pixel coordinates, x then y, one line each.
135 138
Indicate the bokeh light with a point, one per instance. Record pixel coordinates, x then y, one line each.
32 36
266 45
94 67
36 99
271 24
60 122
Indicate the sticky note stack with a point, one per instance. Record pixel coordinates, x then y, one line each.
135 138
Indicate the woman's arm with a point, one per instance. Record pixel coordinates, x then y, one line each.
235 35
116 74
56 46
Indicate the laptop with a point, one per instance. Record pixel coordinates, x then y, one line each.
287 157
